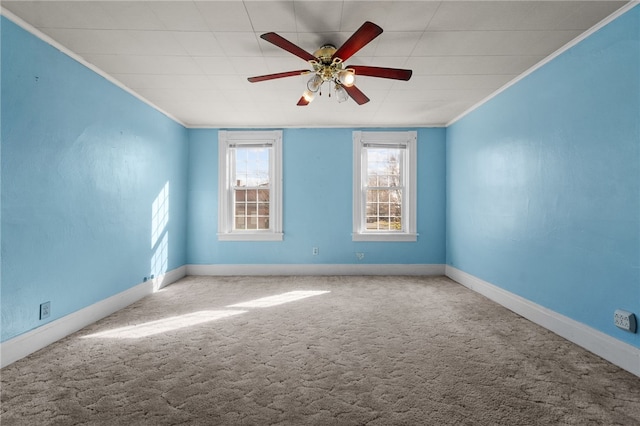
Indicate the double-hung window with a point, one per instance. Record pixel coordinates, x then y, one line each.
250 185
384 186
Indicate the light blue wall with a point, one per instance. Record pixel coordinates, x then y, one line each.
543 182
541 187
317 204
82 163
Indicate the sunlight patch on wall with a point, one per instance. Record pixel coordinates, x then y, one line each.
160 236
160 258
279 299
164 325
159 214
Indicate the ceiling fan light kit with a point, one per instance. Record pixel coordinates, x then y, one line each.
341 93
314 83
328 66
347 77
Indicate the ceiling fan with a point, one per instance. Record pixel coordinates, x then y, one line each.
328 66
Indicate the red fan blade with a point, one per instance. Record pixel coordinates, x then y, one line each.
356 95
285 44
363 36
303 102
277 75
394 73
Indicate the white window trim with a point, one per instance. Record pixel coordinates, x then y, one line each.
225 207
409 208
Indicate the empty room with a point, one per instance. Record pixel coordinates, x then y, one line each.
320 212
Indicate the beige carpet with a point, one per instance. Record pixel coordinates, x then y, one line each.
369 351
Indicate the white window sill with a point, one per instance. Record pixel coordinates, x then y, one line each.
382 236
251 236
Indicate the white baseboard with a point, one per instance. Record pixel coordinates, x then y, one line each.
317 269
169 277
36 339
613 350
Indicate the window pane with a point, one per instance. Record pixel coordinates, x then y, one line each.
263 222
395 196
383 223
263 195
263 209
372 223
252 209
240 223
252 222
241 195
383 210
252 166
384 162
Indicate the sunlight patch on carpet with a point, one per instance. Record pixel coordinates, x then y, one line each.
164 325
278 299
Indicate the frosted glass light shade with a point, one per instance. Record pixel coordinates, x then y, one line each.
341 93
314 83
347 77
308 95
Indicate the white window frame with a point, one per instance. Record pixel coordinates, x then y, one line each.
226 141
408 140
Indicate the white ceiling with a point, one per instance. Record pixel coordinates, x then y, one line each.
191 59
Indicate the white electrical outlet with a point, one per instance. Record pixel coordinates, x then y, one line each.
45 310
359 256
624 320
316 251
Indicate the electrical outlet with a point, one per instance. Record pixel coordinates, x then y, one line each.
359 256
624 320
316 251
45 310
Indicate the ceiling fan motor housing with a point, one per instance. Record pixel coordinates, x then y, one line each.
325 53
326 66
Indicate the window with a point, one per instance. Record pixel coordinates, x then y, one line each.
250 185
384 186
